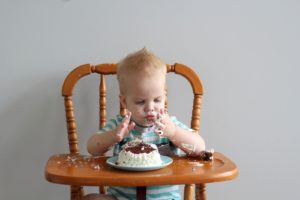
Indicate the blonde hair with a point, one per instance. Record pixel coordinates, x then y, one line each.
141 63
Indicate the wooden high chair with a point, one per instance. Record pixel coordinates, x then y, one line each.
78 170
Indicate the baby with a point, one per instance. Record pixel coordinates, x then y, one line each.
142 83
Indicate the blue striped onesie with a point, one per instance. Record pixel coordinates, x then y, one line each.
163 192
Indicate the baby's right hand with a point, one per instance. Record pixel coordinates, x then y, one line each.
124 128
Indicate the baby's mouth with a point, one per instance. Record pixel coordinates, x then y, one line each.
150 118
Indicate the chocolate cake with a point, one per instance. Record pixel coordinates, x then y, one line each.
139 154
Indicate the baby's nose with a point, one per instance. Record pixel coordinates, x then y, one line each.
150 108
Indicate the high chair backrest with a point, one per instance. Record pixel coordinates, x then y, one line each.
111 69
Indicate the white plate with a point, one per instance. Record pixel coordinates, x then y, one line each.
165 162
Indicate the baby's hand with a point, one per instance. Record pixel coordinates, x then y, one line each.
124 128
164 125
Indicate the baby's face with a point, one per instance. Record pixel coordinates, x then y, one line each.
144 98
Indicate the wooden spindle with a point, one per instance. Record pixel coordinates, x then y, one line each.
71 125
102 102
195 123
188 192
102 114
76 192
141 193
200 192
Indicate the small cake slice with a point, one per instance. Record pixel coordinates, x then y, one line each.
207 155
139 154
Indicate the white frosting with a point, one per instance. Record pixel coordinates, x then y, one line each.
127 158
160 126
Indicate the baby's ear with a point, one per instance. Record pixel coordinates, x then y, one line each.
122 100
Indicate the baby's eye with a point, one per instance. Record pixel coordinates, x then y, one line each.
157 100
141 102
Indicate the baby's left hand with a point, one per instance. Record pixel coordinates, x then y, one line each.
164 125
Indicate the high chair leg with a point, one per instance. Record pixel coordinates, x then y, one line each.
200 192
76 192
188 191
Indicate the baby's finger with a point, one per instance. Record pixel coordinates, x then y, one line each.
119 138
158 131
131 126
121 129
161 111
163 121
127 118
129 114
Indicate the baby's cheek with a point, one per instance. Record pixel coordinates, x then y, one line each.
136 115
161 106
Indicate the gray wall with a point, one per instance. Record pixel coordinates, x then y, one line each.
246 52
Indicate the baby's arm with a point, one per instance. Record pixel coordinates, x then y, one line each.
98 144
190 142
